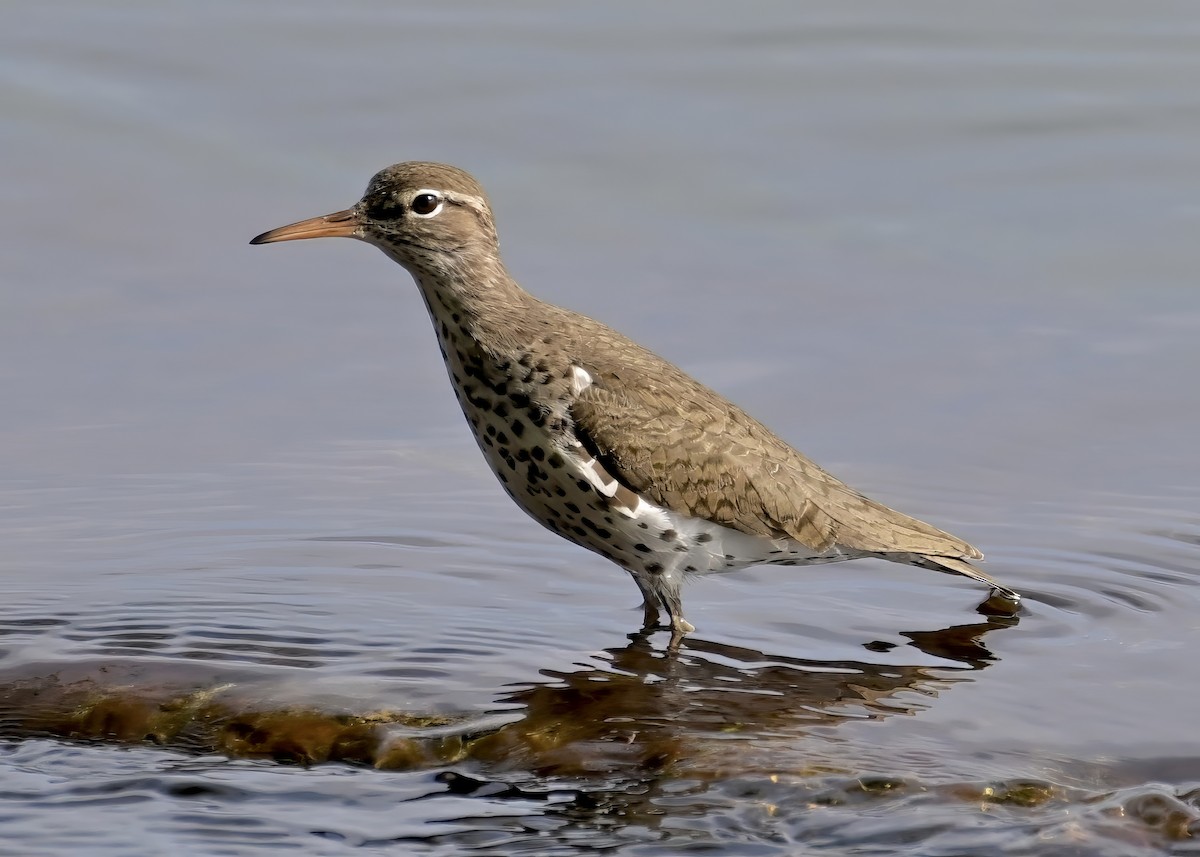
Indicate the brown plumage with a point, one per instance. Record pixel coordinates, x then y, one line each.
598 438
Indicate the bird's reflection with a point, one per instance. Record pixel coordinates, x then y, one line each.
656 740
642 707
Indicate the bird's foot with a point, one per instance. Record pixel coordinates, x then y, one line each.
679 625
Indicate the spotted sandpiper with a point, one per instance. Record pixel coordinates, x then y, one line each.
602 441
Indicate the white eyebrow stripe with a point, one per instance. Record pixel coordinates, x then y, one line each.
467 199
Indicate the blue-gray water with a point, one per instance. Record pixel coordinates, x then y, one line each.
949 251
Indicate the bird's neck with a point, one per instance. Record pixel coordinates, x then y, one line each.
477 295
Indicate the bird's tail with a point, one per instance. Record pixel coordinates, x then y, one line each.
954 565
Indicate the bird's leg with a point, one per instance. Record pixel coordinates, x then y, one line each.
649 601
669 588
680 627
663 590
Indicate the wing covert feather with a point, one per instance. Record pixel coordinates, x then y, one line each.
699 454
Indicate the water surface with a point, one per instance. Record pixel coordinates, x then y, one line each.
261 592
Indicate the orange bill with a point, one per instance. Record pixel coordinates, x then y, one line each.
340 224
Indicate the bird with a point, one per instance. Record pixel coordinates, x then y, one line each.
599 439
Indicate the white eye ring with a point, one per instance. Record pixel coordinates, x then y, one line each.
422 199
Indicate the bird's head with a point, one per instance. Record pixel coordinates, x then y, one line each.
433 219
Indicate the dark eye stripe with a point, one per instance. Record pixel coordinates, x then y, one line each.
384 209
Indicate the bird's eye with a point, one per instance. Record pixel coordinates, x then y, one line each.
426 204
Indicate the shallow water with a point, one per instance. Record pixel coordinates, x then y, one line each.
260 591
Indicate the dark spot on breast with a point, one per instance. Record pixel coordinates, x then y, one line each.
641 548
491 431
669 535
538 453
481 402
643 525
681 548
525 360
502 437
559 491
555 460
689 568
445 331
579 531
501 410
518 428
600 531
573 508
582 485
519 401
654 567
522 455
704 537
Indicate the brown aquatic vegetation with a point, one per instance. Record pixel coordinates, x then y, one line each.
641 709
